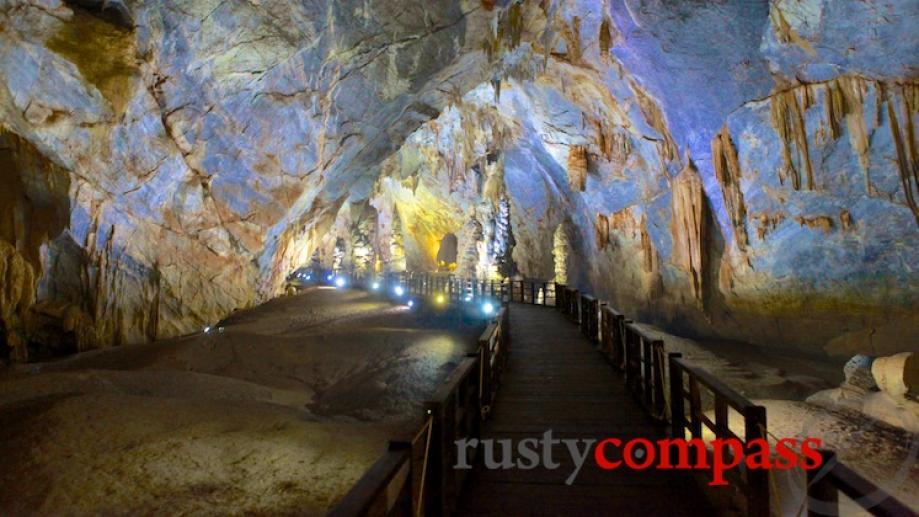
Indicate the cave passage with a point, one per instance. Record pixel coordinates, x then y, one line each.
244 244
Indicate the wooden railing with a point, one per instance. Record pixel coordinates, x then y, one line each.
825 483
644 369
590 318
417 476
612 336
533 292
643 359
686 384
568 302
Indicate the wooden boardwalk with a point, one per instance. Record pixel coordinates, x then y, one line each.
557 381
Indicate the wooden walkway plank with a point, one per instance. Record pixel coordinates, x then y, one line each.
557 381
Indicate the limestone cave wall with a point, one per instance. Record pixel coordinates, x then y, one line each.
736 170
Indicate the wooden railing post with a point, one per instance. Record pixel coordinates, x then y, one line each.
677 410
757 479
822 496
435 482
506 332
627 358
646 393
404 504
485 371
657 356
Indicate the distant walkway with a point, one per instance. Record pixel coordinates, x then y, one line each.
557 381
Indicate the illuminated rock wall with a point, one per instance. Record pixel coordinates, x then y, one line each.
740 170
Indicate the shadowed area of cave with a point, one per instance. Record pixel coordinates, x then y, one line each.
740 178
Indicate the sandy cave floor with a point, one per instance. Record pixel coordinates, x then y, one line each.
287 407
280 413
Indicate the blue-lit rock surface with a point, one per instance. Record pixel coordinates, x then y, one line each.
735 170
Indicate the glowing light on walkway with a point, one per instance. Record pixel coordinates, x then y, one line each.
488 308
339 282
399 290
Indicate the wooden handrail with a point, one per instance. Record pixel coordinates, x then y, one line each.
628 347
755 483
733 398
370 495
612 336
453 412
824 484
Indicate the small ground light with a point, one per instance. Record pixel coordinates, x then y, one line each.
488 308
411 303
399 290
339 282
375 286
329 278
440 299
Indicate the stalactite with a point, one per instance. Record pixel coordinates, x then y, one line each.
572 36
601 228
845 219
655 118
648 255
845 97
727 171
767 223
687 225
513 27
615 146
784 33
906 145
820 222
605 38
788 122
577 167
152 327
623 223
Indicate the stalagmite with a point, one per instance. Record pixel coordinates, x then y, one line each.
471 238
561 250
396 245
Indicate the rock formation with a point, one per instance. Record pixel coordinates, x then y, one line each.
165 163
